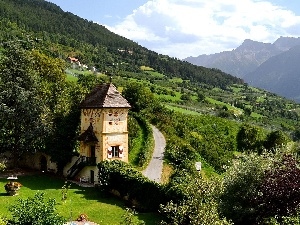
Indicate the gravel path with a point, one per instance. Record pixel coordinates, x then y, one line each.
154 169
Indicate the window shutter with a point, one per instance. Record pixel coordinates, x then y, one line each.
121 148
109 152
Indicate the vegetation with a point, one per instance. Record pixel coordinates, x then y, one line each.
245 138
80 200
36 210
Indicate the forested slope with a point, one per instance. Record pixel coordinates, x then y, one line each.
67 34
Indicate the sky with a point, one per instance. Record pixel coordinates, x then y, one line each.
183 28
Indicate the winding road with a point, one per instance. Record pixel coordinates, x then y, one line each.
154 169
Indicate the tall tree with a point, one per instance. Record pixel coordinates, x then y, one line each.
21 110
139 96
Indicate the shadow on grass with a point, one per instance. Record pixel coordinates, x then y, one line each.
44 182
48 182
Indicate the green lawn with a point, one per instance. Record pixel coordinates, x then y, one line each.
100 208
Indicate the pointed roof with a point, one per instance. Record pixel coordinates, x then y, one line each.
105 96
88 135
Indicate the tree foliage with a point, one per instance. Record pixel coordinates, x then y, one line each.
22 112
258 187
279 192
249 138
139 96
194 201
35 210
275 139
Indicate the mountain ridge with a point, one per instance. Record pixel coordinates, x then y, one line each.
248 61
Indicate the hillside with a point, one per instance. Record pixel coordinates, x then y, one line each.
205 115
63 34
178 84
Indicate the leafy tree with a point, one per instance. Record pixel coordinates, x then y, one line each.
279 193
241 183
88 82
62 100
247 111
258 187
200 96
275 139
199 204
185 97
139 96
62 143
35 211
178 151
22 112
249 138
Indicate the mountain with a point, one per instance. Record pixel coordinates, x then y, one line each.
273 67
245 58
280 74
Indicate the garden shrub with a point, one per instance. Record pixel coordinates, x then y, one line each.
131 185
241 183
35 211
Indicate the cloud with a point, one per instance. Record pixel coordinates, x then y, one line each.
182 28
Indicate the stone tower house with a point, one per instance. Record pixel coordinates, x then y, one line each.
104 134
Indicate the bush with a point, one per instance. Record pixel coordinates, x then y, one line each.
275 139
35 211
178 151
259 187
241 183
123 180
194 201
279 193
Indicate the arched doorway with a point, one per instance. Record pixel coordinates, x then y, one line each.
43 163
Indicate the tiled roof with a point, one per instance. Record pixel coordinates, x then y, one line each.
105 96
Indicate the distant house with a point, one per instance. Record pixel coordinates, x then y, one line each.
104 134
72 60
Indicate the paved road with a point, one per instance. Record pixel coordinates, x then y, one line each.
154 169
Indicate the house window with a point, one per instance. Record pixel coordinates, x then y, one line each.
115 151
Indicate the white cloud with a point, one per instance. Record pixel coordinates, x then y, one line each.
183 28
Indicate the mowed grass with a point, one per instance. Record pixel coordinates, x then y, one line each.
100 207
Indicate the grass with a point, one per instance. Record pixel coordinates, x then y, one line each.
181 110
100 208
136 148
155 74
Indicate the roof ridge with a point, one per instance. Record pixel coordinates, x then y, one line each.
105 96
